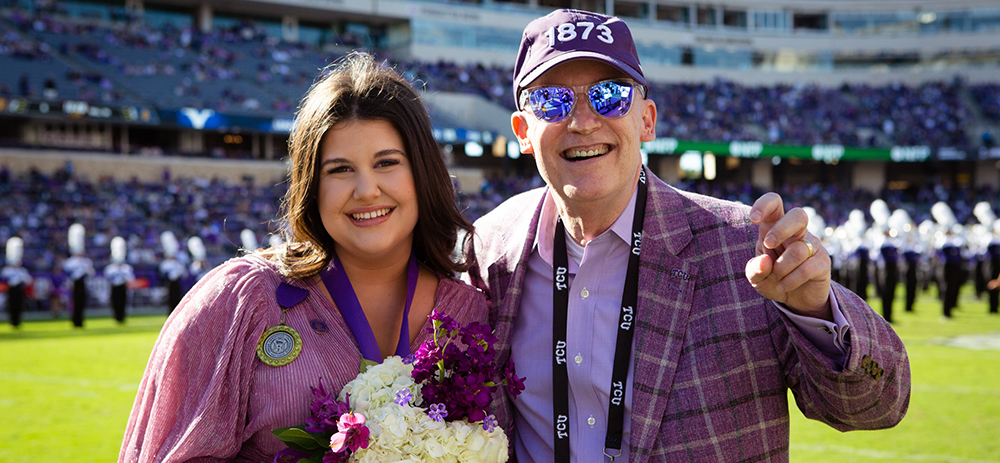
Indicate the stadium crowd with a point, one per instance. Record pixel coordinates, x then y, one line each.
39 208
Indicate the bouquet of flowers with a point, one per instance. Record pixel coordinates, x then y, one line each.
429 407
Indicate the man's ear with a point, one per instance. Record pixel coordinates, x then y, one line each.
648 132
519 123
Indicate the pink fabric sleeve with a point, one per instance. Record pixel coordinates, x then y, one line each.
193 398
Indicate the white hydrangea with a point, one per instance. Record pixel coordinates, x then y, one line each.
405 433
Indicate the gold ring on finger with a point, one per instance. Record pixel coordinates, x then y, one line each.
809 245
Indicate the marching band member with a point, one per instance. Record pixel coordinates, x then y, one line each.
17 279
171 269
199 261
78 267
119 274
249 240
988 257
912 253
993 250
886 257
859 254
949 245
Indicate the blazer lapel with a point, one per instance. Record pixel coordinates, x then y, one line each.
507 274
666 289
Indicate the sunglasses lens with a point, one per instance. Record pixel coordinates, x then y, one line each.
611 99
551 104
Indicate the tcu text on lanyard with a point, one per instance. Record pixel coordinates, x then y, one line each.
623 344
566 32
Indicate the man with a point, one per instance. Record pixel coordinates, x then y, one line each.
993 268
952 258
171 269
887 272
705 375
199 260
119 275
913 258
17 279
78 267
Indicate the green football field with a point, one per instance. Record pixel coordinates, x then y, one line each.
65 394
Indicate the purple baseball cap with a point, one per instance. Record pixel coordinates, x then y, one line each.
565 35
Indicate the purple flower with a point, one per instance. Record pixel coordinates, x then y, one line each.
445 322
330 457
466 396
478 335
324 411
403 397
514 384
455 359
433 393
409 359
437 412
490 423
425 365
352 433
473 389
476 414
458 370
290 456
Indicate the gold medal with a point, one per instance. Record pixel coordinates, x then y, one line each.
279 345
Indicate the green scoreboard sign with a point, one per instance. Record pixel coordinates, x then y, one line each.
830 154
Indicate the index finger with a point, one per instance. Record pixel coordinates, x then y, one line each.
767 209
791 226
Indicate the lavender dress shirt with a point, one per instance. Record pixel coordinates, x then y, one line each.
597 279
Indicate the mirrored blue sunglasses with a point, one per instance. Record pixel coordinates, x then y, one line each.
610 98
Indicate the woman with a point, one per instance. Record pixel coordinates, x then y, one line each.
368 190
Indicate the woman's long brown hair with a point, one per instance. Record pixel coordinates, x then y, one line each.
356 87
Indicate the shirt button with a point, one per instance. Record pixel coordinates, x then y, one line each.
584 294
591 421
578 359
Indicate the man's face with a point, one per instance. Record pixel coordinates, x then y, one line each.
586 158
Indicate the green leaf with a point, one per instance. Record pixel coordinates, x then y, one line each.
277 432
298 439
366 364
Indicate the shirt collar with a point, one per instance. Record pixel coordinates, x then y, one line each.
543 244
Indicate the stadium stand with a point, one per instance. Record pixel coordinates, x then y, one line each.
94 76
242 70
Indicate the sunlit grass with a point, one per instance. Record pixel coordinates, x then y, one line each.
66 393
954 414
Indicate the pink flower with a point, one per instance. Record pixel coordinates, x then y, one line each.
353 433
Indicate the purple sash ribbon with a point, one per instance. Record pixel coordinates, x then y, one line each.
346 299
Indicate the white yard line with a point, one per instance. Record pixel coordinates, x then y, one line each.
882 454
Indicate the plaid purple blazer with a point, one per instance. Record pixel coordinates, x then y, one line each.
713 359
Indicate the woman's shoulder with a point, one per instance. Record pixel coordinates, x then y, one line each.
241 275
247 266
239 287
460 300
458 288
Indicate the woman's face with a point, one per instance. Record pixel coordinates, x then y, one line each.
367 197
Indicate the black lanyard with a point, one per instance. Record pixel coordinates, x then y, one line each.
623 347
